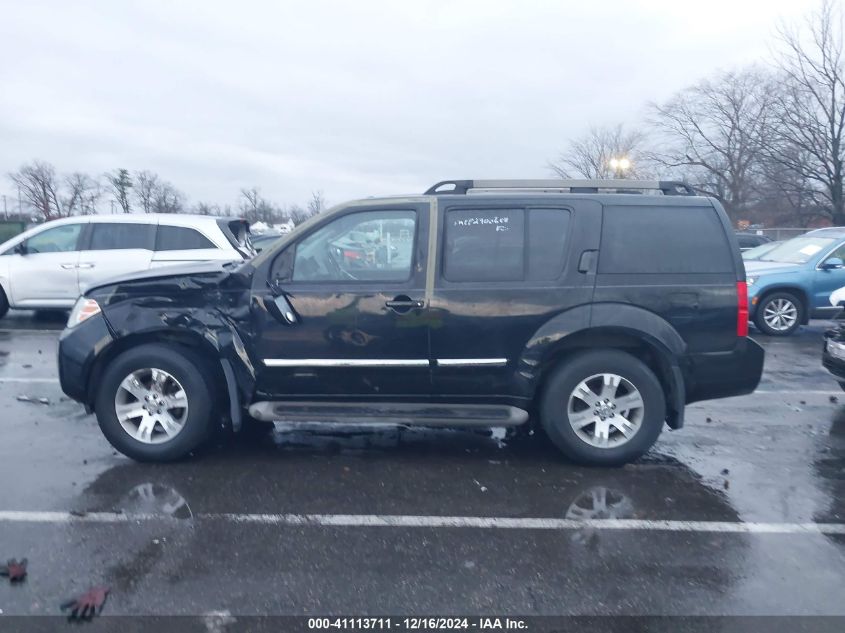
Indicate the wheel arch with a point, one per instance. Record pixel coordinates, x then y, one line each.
643 334
223 386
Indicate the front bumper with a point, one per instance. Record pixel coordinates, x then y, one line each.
78 349
833 354
725 374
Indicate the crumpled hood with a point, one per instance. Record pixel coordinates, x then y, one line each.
178 270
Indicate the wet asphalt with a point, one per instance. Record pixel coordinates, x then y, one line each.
183 542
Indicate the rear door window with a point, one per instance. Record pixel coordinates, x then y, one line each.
180 238
107 236
647 240
516 244
484 245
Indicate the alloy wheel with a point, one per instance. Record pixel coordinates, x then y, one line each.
780 314
605 410
151 406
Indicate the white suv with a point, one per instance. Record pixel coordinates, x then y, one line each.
50 265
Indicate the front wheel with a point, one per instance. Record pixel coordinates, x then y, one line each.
603 408
779 314
4 304
154 403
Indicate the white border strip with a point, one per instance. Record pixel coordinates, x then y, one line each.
412 521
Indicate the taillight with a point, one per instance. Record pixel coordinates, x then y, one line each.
742 308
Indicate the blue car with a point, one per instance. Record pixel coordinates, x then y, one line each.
792 282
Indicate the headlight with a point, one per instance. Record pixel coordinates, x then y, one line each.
83 310
751 280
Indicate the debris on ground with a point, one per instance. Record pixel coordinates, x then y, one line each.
44 400
23 399
834 399
482 488
87 605
14 570
725 471
709 419
727 484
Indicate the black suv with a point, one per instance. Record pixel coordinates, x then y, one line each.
595 308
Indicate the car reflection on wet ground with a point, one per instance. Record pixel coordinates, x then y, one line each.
719 518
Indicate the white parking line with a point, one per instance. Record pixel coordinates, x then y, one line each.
38 380
412 521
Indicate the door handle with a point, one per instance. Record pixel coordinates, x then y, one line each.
86 265
403 304
68 266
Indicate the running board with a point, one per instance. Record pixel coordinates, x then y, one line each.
412 414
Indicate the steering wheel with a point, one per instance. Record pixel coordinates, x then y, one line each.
338 268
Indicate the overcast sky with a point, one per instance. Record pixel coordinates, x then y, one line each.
352 98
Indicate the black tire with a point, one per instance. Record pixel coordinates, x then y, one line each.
191 373
767 301
554 404
4 304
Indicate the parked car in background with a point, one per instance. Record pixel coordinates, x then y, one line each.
560 298
748 240
758 251
50 265
263 240
793 282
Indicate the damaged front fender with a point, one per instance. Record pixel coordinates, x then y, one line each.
206 309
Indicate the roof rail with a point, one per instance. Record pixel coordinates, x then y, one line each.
462 187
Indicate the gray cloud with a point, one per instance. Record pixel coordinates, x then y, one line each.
355 99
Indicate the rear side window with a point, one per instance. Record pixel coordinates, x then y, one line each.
180 238
484 245
111 236
504 244
666 240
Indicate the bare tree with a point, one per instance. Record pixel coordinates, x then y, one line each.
146 183
83 191
206 208
120 182
297 214
806 138
39 188
591 155
713 132
254 208
167 199
317 203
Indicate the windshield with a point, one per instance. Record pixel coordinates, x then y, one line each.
798 250
758 251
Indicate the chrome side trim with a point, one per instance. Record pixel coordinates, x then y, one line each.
344 362
472 362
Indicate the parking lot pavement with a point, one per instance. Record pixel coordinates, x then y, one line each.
741 512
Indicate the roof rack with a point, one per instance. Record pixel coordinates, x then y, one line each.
462 187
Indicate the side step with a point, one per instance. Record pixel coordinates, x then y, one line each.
412 414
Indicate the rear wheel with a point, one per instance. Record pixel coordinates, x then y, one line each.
4 304
779 314
603 408
154 403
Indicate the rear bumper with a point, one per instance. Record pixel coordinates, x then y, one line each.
78 349
725 374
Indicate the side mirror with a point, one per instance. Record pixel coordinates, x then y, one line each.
833 263
20 248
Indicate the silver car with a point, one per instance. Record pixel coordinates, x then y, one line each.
50 265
